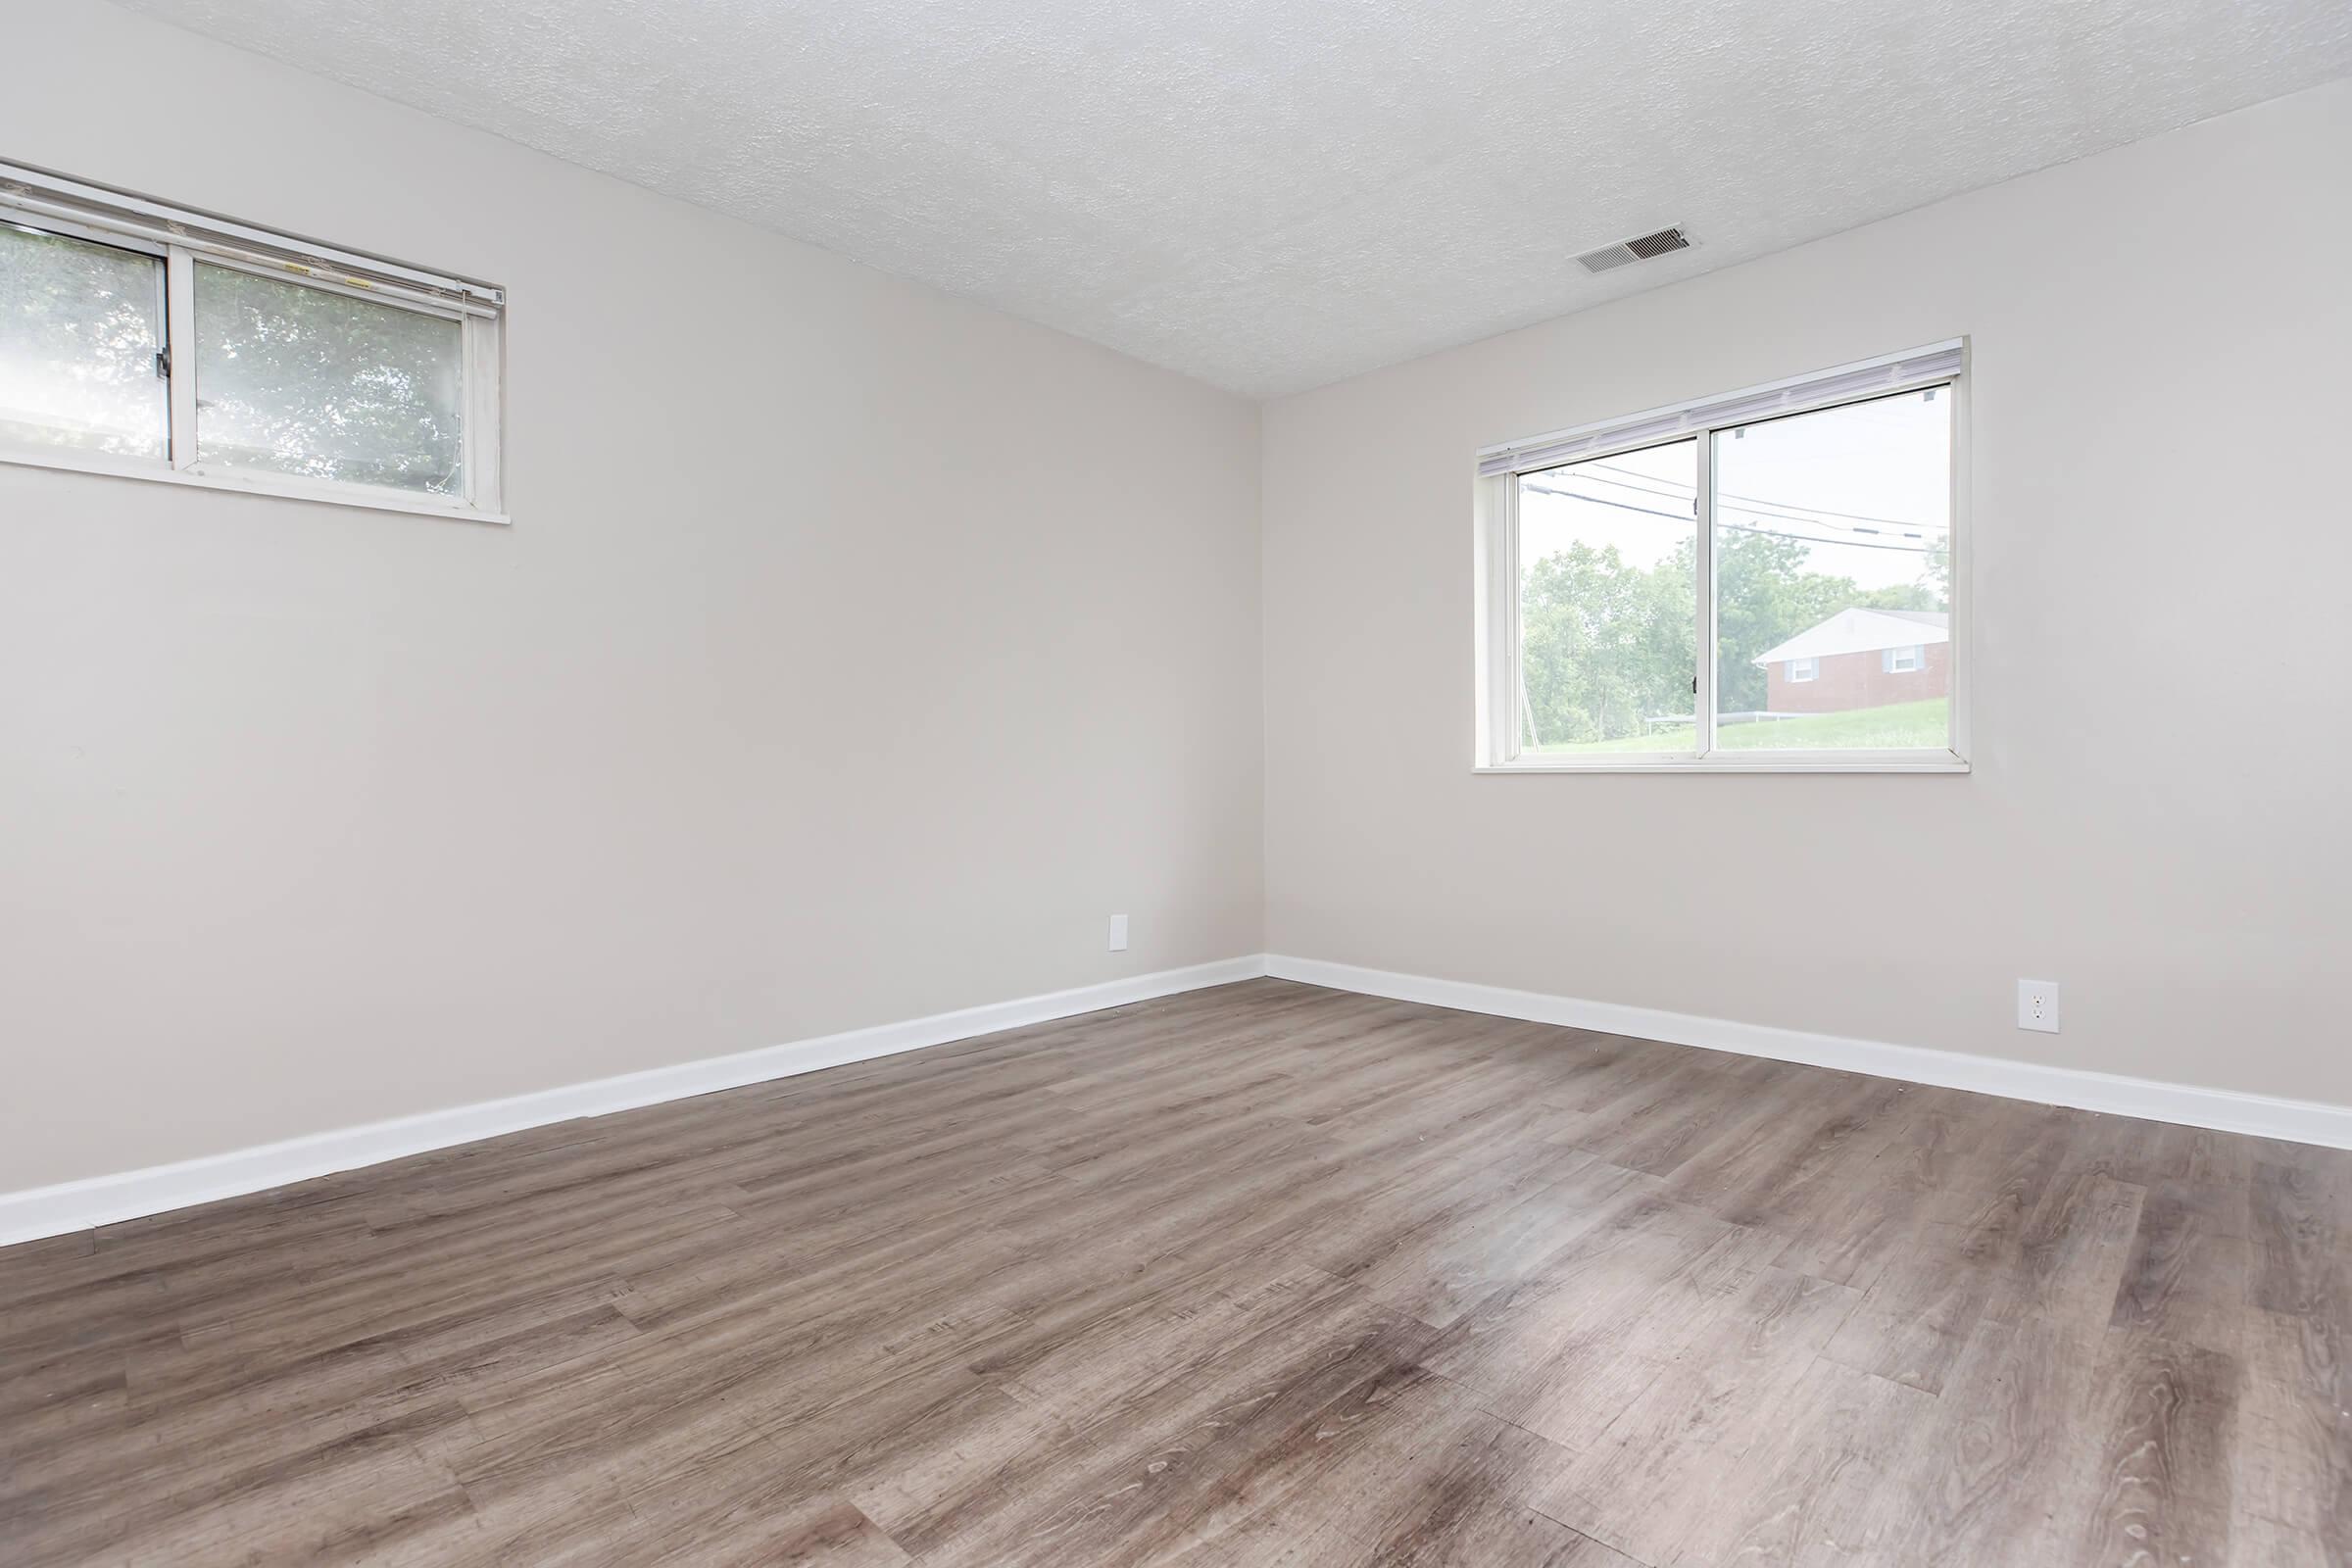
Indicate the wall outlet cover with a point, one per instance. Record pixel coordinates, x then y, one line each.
2037 1006
1118 933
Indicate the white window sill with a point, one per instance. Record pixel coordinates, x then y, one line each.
284 486
1728 762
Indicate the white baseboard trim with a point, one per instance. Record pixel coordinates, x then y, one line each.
132 1195
105 1199
2302 1122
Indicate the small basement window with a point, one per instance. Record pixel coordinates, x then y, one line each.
1731 584
152 342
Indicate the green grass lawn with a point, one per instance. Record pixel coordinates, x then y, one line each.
1898 726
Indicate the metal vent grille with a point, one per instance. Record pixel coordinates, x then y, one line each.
1611 257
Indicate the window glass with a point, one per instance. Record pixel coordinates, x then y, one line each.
1608 602
1832 568
301 380
80 327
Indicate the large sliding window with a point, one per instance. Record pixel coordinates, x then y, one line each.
157 343
1762 580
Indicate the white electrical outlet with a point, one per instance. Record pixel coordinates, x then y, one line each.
1118 933
2037 1006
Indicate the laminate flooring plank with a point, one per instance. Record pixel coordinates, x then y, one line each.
1925 1299
1721 1397
1568 1351
2298 1218
1438 1481
2168 1412
1929 1169
1447 1269
1774 1176
1704 1104
2072 1255
1819 1483
1165 1468
2186 1276
2004 1476
2290 1454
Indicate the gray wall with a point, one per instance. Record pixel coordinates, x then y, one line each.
2163 544
854 654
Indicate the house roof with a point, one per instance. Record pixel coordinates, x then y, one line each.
1862 631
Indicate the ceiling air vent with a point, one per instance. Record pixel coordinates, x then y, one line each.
1625 253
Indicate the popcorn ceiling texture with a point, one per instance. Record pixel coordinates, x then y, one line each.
1273 194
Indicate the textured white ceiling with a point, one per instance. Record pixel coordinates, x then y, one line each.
1272 194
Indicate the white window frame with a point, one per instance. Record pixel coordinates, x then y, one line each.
1495 565
1810 666
1907 660
180 237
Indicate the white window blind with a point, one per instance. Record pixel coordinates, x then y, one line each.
1893 372
105 212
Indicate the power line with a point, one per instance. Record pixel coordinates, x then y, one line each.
1843 544
1840 527
1736 527
1603 501
1786 506
1787 512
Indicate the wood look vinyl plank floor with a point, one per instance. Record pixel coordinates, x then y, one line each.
1253 1276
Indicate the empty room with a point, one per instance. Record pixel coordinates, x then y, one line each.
1259 782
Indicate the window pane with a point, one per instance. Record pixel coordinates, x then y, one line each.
1832 571
1608 607
80 325
299 380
